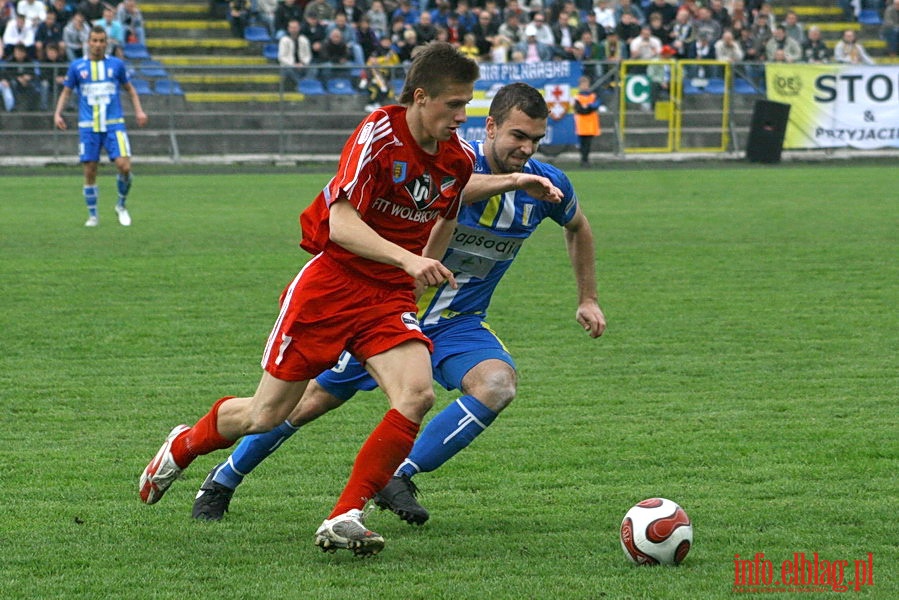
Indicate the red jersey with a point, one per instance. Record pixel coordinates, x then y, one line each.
399 190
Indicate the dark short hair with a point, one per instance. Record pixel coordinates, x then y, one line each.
434 66
518 95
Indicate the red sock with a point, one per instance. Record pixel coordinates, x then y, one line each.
202 438
387 446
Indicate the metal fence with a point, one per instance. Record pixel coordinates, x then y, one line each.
665 106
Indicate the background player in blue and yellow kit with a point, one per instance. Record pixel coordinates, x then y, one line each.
467 355
99 81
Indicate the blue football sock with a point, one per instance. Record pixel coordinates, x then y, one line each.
90 198
252 450
124 185
451 430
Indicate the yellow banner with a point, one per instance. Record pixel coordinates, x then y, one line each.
837 106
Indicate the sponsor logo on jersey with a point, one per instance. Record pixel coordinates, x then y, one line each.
399 171
365 134
408 213
484 243
411 321
420 191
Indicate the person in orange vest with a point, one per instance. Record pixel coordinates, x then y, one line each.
586 118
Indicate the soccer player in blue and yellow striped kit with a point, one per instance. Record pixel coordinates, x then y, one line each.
468 355
99 81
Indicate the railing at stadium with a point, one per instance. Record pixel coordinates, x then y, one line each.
652 106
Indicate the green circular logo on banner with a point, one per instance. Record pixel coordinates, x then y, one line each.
637 89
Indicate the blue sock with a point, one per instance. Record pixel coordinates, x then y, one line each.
90 198
124 185
252 450
451 430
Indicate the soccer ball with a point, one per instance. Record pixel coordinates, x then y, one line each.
656 532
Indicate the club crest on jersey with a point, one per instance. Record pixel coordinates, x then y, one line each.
399 171
446 183
411 321
420 191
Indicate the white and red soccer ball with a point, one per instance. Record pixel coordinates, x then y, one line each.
656 531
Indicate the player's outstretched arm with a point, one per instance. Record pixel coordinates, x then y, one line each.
482 186
582 253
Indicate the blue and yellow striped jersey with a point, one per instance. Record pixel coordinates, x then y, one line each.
487 239
98 83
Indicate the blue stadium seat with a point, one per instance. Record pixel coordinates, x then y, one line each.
152 68
715 86
869 17
136 52
142 87
397 85
256 33
168 87
311 87
741 86
270 51
689 88
341 86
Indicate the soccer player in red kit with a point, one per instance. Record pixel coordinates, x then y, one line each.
378 228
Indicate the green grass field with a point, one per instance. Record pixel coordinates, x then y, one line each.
748 372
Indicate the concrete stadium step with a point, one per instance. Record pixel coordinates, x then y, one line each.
190 29
175 9
237 82
836 26
293 117
810 11
210 60
869 44
242 97
181 24
207 45
296 116
271 102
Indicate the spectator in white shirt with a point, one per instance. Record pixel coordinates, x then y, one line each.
34 11
850 51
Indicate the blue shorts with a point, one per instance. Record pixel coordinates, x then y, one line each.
458 346
115 141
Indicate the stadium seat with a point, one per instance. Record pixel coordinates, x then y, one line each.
136 52
270 51
341 86
869 17
741 86
168 87
689 88
152 68
256 33
715 86
397 85
142 87
311 87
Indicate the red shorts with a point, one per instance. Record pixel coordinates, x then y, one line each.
326 310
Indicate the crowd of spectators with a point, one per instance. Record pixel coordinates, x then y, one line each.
39 34
501 31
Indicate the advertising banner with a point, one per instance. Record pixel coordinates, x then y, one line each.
557 81
838 106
